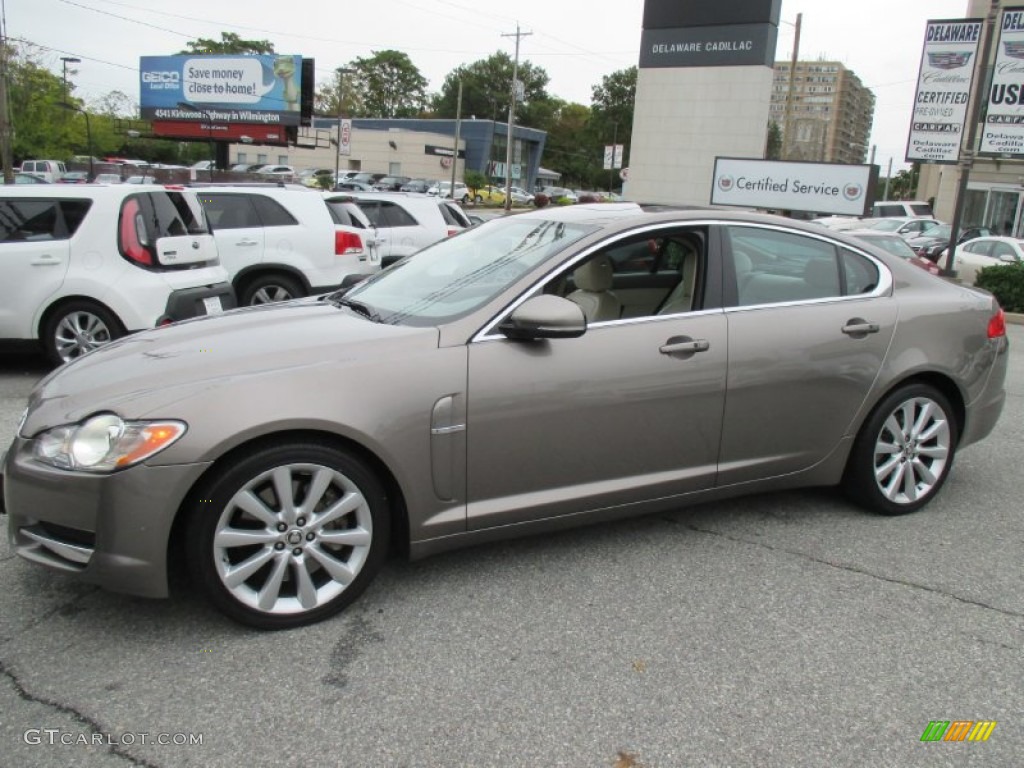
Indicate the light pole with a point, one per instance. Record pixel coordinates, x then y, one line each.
209 129
65 60
88 134
342 71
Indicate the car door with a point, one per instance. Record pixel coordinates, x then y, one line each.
631 410
34 258
237 228
809 327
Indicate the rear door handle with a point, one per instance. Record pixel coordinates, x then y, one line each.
858 327
684 345
46 261
247 242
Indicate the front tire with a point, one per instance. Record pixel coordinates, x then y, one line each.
268 289
904 451
77 328
287 535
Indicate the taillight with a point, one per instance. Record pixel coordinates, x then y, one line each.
453 231
997 325
128 235
347 243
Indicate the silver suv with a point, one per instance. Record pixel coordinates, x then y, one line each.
406 222
282 241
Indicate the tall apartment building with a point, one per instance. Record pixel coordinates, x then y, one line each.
829 116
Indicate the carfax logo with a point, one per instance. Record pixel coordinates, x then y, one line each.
725 183
852 191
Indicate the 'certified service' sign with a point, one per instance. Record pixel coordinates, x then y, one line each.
846 190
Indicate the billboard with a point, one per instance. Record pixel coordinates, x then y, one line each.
845 190
1003 131
943 95
231 132
251 88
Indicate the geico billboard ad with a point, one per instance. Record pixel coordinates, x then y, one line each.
1003 132
254 88
817 187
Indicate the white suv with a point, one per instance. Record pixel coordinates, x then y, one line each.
280 242
83 265
406 222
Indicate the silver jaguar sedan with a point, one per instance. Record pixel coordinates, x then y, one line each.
542 370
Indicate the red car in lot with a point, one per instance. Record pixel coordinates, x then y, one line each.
896 245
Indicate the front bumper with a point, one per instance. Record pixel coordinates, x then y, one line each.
110 530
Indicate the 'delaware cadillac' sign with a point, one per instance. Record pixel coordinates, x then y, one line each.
845 190
1003 131
943 95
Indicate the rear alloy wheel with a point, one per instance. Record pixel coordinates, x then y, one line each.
904 451
478 199
77 328
288 535
268 289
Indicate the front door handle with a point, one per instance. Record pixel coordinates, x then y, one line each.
684 345
859 327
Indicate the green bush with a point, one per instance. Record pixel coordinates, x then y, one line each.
1006 283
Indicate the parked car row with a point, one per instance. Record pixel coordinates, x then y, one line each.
83 264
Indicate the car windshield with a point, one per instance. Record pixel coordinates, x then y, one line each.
939 232
886 225
458 275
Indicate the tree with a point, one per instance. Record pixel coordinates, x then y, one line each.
487 90
42 128
388 85
229 43
572 148
612 106
340 86
773 142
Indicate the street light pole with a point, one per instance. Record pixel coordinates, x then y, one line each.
342 71
65 60
88 135
209 130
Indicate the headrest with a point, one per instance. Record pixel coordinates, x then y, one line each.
595 275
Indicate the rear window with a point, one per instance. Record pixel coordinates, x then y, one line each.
347 214
454 216
922 209
34 220
173 214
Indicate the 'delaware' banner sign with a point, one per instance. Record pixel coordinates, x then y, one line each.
943 95
1003 132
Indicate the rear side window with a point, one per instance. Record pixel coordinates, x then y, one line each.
347 214
272 213
860 275
229 211
35 220
453 215
384 214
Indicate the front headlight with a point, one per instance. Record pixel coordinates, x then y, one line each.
104 442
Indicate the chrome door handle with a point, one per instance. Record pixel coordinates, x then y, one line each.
858 327
684 347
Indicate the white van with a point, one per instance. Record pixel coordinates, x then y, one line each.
47 170
901 208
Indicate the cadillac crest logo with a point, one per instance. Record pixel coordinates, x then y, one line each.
952 60
852 191
725 183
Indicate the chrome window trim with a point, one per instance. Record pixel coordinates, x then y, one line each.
885 280
486 332
884 287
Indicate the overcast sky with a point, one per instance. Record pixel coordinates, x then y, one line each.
575 42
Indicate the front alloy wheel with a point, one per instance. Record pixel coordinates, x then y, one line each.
289 535
904 452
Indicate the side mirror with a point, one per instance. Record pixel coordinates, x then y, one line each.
544 317
1008 258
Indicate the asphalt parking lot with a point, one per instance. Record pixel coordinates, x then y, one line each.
783 630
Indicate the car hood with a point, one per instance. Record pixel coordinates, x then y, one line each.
140 374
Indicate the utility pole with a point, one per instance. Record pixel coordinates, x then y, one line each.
512 117
458 128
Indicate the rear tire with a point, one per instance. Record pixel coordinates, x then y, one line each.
904 451
287 535
269 289
76 328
